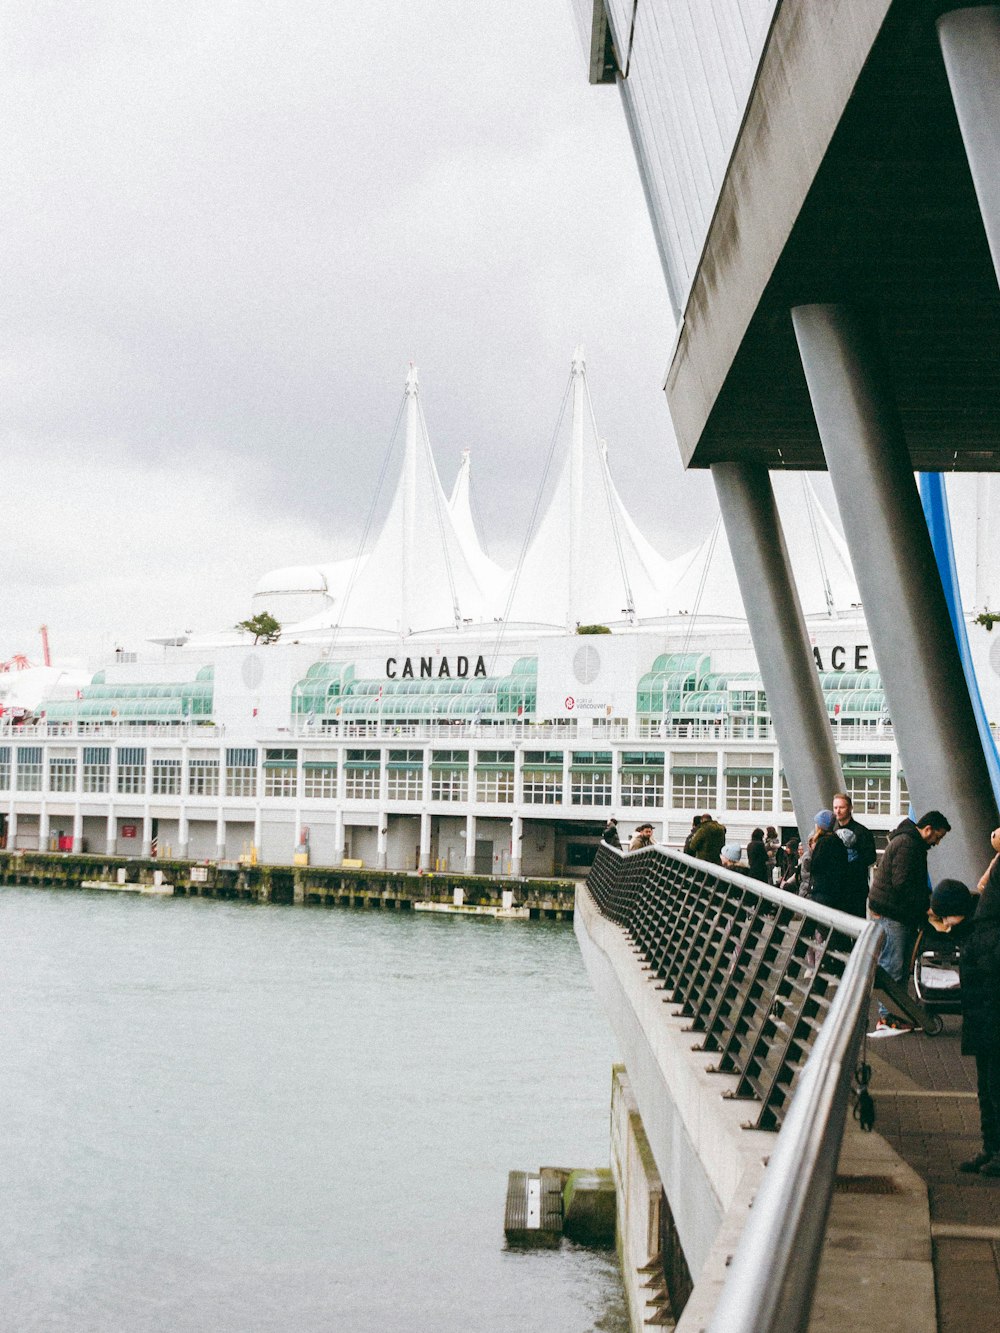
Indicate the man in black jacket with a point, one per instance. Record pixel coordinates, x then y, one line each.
898 901
860 854
610 834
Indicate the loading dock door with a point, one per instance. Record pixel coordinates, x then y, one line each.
484 857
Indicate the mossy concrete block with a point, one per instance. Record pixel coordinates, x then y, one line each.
589 1207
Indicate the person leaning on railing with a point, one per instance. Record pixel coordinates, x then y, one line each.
898 901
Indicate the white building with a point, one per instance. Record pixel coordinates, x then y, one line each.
424 708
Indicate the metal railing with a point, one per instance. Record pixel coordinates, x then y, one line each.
779 988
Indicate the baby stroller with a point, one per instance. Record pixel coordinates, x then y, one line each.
936 960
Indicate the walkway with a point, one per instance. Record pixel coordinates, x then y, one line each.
926 1107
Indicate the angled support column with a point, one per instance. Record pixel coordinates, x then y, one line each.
970 43
897 574
781 643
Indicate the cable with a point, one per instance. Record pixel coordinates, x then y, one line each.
344 601
609 497
439 515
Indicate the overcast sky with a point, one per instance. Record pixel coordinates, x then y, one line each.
227 229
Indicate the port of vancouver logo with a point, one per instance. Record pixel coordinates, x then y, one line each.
423 668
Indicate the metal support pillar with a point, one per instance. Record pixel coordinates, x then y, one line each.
780 639
970 43
382 846
897 574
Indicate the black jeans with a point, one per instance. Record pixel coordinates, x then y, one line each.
988 1080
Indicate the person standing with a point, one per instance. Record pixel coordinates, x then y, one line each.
980 977
898 901
610 834
642 837
757 858
789 880
708 841
827 864
695 826
860 854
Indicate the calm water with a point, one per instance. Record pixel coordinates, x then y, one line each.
229 1117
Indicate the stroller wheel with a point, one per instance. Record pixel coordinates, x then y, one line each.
933 1024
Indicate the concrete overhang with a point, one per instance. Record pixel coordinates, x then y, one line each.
849 182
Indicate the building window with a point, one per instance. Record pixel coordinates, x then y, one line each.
749 791
541 786
29 767
495 777
450 775
590 778
4 768
131 770
495 786
241 772
642 780
590 788
320 781
904 797
542 777
405 775
691 790
281 772
786 797
203 777
96 768
62 775
870 795
166 777
363 773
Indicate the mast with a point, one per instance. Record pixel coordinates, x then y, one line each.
409 497
578 374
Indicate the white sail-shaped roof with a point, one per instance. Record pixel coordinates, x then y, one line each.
489 575
587 562
417 575
706 583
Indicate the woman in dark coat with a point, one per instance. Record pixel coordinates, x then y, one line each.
757 856
827 864
980 969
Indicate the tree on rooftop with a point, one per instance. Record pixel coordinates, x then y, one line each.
263 627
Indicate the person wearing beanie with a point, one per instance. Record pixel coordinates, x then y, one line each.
951 904
731 854
827 864
980 974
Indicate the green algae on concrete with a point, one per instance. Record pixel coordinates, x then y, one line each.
589 1206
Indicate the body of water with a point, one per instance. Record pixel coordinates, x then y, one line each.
221 1116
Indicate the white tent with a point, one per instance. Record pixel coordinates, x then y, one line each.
587 562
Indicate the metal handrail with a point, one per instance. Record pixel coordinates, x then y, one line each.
772 1278
708 939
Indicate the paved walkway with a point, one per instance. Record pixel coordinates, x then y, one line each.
926 1107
